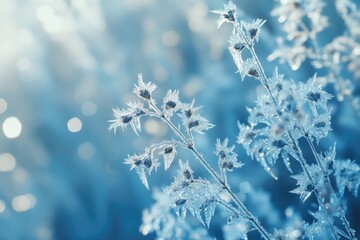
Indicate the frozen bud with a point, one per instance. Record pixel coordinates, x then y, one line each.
313 96
250 135
145 94
137 162
230 15
126 118
188 113
230 166
180 202
279 143
253 32
253 72
168 150
222 154
139 112
144 90
187 174
320 124
148 162
193 124
170 105
239 46
279 87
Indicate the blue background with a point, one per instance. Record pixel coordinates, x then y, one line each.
65 59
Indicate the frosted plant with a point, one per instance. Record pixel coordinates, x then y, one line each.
161 219
287 113
349 43
187 193
303 20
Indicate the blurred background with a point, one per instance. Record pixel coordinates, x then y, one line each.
65 64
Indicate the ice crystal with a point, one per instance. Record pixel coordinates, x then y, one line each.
188 109
347 175
226 155
171 103
253 29
161 220
303 21
197 123
195 195
227 14
143 163
288 116
125 117
317 229
144 90
237 229
168 152
290 111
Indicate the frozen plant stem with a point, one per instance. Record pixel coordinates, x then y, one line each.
190 145
265 82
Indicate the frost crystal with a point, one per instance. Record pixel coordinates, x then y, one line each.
195 195
227 156
143 163
227 14
196 123
161 220
171 103
144 90
347 175
128 116
253 29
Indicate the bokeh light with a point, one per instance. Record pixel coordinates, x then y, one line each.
7 162
23 203
74 124
12 127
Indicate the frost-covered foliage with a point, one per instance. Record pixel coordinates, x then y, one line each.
289 117
187 192
288 112
167 225
304 21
